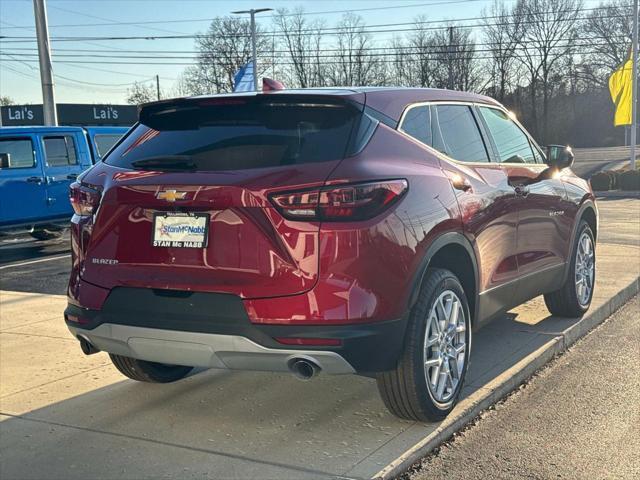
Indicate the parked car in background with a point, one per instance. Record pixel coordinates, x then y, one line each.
37 165
360 230
101 139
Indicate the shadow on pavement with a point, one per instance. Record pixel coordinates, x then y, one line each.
233 424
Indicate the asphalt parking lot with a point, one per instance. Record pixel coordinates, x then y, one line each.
28 265
65 415
561 424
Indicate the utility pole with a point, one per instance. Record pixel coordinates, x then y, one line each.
46 69
253 12
450 66
634 86
158 86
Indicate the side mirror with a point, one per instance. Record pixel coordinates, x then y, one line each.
559 156
4 160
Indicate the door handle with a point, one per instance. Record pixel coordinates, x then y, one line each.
521 190
37 180
72 176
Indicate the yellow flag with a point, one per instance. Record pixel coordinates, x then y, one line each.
620 88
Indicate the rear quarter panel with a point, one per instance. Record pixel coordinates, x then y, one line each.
367 269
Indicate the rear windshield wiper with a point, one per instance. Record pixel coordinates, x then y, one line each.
165 162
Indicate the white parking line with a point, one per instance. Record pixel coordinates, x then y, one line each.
49 259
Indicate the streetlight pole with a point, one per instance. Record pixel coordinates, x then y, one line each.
253 12
46 69
634 86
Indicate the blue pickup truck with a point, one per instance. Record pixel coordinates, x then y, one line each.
37 165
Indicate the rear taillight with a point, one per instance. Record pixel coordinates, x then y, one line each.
340 203
84 200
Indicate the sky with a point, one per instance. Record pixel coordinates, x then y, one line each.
102 82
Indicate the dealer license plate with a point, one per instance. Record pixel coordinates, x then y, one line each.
180 230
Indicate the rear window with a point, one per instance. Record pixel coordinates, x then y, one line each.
104 142
60 151
241 135
457 134
19 153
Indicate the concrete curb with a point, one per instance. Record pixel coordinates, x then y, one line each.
617 194
500 387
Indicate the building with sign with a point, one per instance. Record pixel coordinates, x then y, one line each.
70 114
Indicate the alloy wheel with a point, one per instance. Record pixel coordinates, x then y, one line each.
585 269
445 346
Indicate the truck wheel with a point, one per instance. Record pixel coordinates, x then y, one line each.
152 372
574 297
428 378
45 234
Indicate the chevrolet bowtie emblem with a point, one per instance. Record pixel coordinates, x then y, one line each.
171 195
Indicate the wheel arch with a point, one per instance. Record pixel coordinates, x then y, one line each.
454 252
590 216
588 212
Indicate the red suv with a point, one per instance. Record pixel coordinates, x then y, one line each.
362 230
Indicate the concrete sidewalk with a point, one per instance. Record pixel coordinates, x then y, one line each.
64 415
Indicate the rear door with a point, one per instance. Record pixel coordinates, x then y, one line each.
543 230
185 201
22 181
65 157
485 198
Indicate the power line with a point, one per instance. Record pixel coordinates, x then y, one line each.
111 22
104 84
195 54
388 58
328 30
191 20
62 82
442 49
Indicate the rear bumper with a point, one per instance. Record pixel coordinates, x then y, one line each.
208 350
213 330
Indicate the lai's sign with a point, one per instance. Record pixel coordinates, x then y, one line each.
71 114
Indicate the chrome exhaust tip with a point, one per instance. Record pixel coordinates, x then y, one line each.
86 346
303 369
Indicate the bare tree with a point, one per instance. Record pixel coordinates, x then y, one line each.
608 30
141 93
181 87
502 31
400 60
302 40
548 38
353 63
454 56
6 100
223 50
421 43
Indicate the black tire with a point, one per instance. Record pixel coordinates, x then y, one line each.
404 390
564 301
151 372
46 234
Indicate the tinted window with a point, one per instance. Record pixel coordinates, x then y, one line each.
60 151
512 144
417 123
20 151
104 143
247 134
457 134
